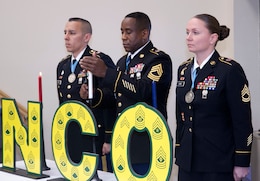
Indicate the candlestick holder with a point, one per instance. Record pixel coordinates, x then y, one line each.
43 160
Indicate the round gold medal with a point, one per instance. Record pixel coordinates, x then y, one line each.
189 96
72 78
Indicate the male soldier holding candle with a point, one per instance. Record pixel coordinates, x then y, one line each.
70 78
132 81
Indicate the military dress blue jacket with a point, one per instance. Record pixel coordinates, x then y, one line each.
214 131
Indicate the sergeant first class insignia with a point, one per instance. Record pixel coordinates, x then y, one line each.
245 94
156 72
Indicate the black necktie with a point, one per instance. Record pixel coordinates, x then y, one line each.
128 59
197 71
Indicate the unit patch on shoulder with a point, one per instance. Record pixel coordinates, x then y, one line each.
155 73
245 94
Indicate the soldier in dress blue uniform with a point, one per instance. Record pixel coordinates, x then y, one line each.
1 139
214 128
70 78
132 82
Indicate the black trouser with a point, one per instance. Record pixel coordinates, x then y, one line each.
1 137
204 176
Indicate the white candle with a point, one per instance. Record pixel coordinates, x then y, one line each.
90 85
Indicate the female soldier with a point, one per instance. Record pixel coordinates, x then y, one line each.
214 129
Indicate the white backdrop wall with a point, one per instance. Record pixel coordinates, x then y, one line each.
247 48
32 41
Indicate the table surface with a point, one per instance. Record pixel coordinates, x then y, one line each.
53 173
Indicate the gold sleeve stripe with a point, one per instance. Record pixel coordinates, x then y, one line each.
177 144
243 152
117 79
108 132
101 97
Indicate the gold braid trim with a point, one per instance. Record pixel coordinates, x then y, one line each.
117 79
101 97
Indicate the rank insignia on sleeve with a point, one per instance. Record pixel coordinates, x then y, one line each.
156 72
245 94
250 139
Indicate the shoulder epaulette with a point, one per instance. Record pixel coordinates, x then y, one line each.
68 56
225 60
155 51
187 61
97 52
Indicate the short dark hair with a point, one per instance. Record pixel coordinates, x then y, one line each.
142 20
213 25
86 26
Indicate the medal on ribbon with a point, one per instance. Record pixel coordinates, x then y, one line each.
72 76
189 96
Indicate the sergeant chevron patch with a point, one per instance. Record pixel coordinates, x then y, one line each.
155 73
245 94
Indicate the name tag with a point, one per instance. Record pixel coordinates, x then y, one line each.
180 83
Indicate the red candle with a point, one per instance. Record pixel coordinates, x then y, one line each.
40 86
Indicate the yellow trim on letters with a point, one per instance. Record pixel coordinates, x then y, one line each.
142 117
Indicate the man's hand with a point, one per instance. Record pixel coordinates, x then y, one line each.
240 172
94 65
83 92
106 148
